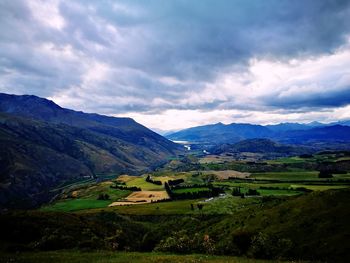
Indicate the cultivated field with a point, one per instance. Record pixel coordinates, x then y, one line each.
142 197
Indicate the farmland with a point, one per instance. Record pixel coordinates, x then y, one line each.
291 176
192 201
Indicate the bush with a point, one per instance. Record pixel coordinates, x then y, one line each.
325 174
270 247
253 192
103 197
181 242
236 191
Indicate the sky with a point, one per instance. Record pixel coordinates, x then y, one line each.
179 63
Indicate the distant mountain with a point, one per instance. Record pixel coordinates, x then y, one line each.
333 133
163 132
221 133
290 126
264 146
288 132
343 123
44 145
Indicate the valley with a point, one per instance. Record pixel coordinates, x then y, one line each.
84 185
282 177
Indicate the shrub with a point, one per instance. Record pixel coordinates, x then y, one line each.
270 247
325 174
103 197
236 191
253 192
181 242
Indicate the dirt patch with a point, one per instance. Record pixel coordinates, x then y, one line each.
142 197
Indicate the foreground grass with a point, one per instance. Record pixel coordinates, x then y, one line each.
117 257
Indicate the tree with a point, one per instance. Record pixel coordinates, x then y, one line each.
236 191
253 192
325 174
200 206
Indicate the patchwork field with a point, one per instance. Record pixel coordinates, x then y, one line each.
142 197
293 177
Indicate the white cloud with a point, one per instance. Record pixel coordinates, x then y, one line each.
172 69
47 12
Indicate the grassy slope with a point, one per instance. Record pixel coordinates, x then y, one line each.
120 257
316 224
140 182
86 198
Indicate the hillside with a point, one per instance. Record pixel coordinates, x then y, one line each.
301 227
44 146
263 146
220 133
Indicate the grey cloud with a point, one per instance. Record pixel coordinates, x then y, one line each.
191 41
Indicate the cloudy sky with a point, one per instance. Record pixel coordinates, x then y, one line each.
176 64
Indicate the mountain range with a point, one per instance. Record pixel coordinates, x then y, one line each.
265 147
44 146
295 133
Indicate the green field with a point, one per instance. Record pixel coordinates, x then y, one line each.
141 183
190 190
302 175
319 187
315 158
71 205
86 198
163 208
218 205
120 257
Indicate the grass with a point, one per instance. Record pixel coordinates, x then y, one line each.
289 160
300 175
86 198
71 205
190 190
163 208
228 204
285 192
118 257
319 187
92 192
314 158
218 205
141 183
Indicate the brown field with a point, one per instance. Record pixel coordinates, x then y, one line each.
222 175
125 178
142 197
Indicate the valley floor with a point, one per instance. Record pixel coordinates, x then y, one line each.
120 257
